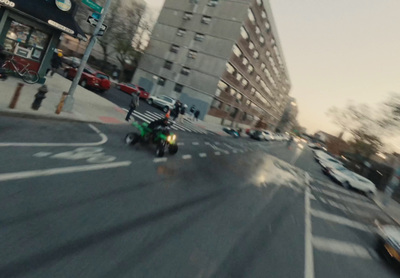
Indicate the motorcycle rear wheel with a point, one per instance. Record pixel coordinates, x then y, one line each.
132 138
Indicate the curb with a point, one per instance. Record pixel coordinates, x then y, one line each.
382 209
48 117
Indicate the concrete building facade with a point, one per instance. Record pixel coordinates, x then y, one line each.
288 120
224 57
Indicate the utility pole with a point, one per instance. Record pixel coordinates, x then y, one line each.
69 101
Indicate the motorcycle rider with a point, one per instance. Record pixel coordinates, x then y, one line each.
156 125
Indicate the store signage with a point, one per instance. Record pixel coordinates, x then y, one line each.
8 3
64 5
93 5
61 27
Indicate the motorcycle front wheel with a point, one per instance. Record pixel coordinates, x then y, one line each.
173 149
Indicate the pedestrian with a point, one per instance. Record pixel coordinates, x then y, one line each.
56 62
192 109
133 105
176 110
182 113
197 114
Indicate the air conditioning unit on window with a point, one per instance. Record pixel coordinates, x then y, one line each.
212 3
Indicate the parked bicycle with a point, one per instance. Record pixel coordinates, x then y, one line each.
29 76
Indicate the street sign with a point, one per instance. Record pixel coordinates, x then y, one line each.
93 5
93 22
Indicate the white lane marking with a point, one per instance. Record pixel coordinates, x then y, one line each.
348 199
207 143
180 143
234 151
202 154
186 156
42 154
160 159
103 140
312 197
226 152
343 191
140 117
63 170
195 143
341 247
340 220
217 153
309 256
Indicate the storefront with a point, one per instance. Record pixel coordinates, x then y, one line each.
31 30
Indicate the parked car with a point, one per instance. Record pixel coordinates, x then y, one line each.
256 135
72 61
232 132
127 88
349 179
329 162
91 79
268 136
318 155
164 102
388 242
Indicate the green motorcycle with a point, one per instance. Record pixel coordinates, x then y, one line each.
163 138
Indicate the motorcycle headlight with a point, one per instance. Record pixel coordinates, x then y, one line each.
174 137
169 138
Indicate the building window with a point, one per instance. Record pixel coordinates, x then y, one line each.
253 91
181 32
168 65
161 81
256 54
178 88
263 15
234 112
230 68
244 33
259 2
245 82
251 16
262 66
199 37
238 76
244 116
248 102
216 104
174 48
192 54
262 40
232 92
187 16
258 31
25 41
212 3
267 26
251 45
245 61
227 108
258 78
206 19
185 71
250 69
237 51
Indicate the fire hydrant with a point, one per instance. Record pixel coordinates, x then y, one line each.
39 97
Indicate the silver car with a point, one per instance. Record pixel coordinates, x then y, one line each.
164 102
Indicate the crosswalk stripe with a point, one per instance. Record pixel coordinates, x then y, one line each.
348 199
140 117
339 220
341 247
148 117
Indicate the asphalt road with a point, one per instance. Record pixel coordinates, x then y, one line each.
75 201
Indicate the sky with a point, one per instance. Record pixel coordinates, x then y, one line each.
336 52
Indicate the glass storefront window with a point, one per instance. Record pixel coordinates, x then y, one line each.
25 41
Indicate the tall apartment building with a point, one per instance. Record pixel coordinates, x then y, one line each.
222 56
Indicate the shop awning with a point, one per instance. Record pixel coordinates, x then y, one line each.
48 12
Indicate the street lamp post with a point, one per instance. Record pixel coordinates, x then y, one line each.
69 101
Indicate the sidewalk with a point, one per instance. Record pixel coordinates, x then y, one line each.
88 107
391 208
